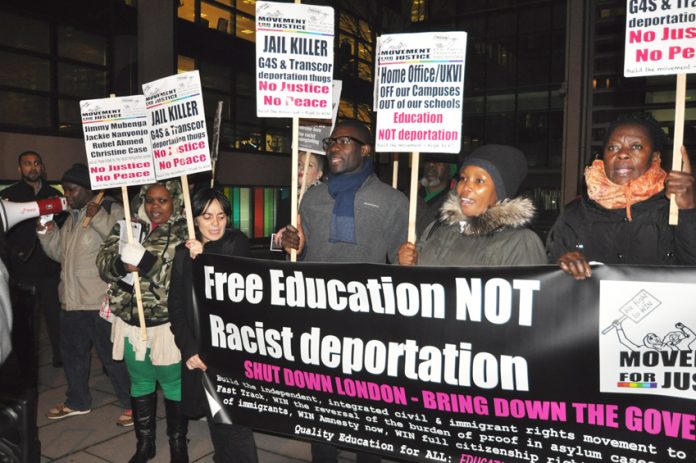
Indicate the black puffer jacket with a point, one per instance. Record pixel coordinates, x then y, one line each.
607 236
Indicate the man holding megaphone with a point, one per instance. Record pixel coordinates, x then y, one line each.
34 276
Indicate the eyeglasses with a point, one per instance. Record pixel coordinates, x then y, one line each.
342 141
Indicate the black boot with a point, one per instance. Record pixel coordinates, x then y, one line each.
144 424
177 427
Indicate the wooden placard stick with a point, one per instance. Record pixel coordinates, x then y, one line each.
136 276
293 180
98 200
187 207
413 197
395 170
678 141
303 187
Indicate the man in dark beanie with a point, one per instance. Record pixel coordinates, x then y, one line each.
76 245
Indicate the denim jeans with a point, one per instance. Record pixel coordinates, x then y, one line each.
79 330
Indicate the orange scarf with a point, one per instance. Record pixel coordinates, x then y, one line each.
612 196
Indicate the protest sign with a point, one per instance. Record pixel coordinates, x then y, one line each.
420 92
117 142
313 131
294 60
452 364
177 125
660 37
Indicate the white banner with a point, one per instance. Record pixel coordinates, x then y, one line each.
294 60
420 93
177 125
660 37
117 142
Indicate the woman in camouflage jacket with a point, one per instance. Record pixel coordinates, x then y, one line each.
159 211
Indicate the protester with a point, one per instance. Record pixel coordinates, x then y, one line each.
315 176
5 307
82 293
354 217
157 359
211 211
482 222
622 217
438 170
34 276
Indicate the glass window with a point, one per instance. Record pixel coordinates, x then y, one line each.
187 10
25 72
218 77
81 46
278 142
185 64
210 101
24 32
347 23
249 138
82 81
25 110
246 28
69 118
216 18
247 6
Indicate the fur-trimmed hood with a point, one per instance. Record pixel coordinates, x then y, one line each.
509 213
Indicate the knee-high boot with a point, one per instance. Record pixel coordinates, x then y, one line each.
177 427
144 420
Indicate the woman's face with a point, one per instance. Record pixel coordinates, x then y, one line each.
158 204
628 153
212 222
476 191
313 172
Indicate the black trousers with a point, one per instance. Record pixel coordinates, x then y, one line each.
323 453
232 443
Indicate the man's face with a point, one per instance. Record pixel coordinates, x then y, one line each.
346 159
436 174
76 195
30 167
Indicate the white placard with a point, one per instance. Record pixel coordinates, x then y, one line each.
117 142
313 131
420 93
660 37
294 60
177 125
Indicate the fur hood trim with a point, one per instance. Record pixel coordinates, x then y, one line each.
509 213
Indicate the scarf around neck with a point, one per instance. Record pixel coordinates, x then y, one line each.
610 195
342 188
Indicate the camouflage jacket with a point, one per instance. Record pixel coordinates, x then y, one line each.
154 281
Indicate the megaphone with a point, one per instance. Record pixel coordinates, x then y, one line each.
13 213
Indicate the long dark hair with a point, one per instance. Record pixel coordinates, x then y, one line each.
203 197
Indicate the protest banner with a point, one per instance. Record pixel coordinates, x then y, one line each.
661 40
313 131
117 142
119 154
294 60
453 364
177 127
420 93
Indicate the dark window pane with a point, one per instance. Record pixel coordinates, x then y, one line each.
215 76
81 46
210 102
534 19
24 71
81 81
278 142
500 128
25 110
502 23
24 32
69 118
245 84
245 110
249 138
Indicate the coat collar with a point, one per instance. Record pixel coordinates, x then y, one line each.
509 213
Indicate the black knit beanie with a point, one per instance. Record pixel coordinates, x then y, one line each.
506 165
79 175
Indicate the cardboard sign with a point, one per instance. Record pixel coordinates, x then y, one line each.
177 125
294 60
312 131
660 37
117 142
420 93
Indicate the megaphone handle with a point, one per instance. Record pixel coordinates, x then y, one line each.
98 200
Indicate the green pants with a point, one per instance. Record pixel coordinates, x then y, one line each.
144 375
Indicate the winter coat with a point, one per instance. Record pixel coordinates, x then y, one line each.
182 316
76 248
155 267
607 236
495 238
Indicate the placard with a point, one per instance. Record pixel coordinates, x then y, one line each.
660 37
420 92
313 131
294 60
117 142
177 125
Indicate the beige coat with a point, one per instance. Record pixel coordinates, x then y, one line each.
76 248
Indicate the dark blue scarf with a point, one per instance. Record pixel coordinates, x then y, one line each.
342 188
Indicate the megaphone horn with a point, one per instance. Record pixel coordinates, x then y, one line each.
12 213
